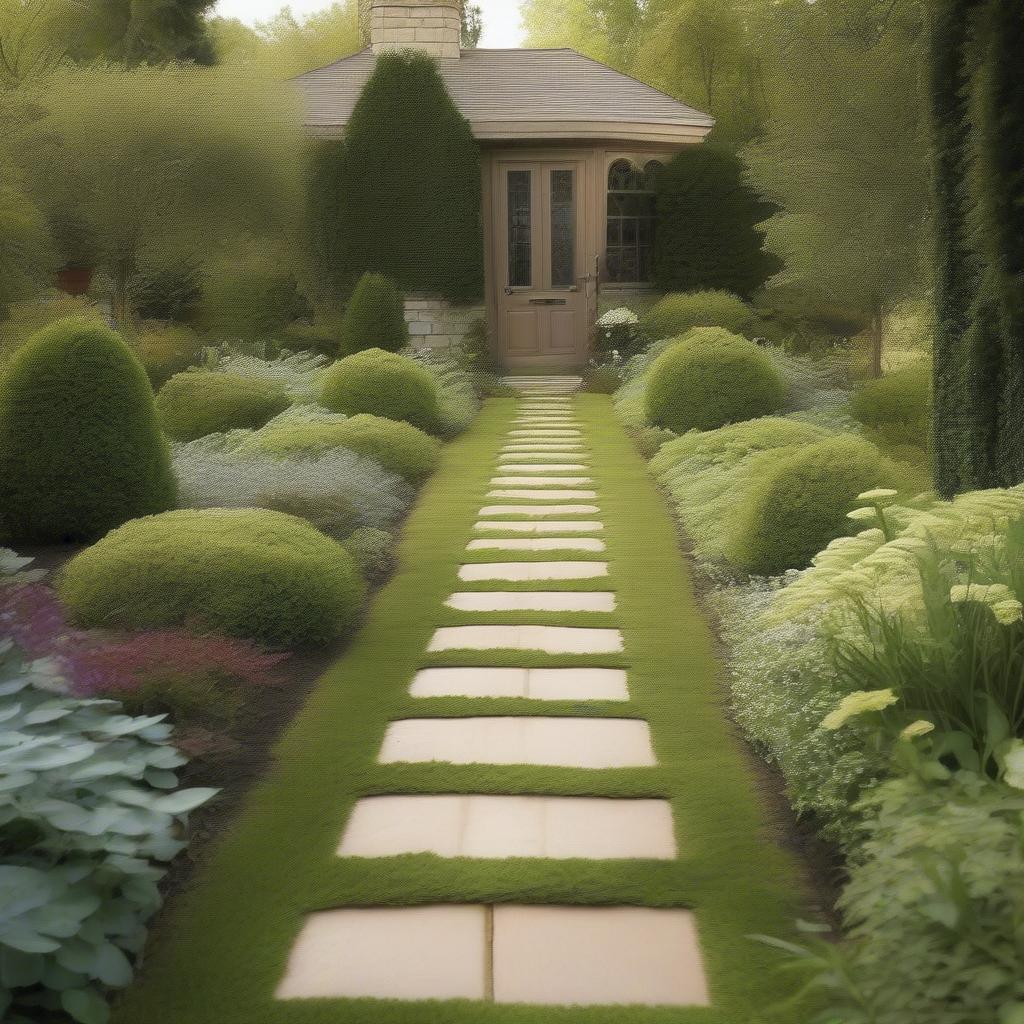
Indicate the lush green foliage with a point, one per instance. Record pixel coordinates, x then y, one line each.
709 378
801 502
374 317
231 471
977 125
89 818
193 158
26 255
677 313
707 217
80 448
405 202
372 551
383 384
258 574
397 446
456 389
199 402
899 404
166 349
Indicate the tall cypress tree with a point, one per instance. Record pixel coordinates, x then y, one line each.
407 182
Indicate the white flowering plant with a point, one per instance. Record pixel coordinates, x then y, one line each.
619 331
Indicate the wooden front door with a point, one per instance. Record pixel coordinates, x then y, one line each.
541 282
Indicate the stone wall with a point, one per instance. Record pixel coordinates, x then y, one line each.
435 323
434 26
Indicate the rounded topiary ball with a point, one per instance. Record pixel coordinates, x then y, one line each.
678 312
80 447
709 378
199 402
374 317
254 573
383 384
397 446
801 503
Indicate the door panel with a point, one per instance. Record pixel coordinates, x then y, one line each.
538 235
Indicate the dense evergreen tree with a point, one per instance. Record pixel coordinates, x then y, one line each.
707 219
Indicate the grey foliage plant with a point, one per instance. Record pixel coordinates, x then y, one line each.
90 817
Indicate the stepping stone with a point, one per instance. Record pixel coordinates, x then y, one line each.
532 601
541 481
540 432
541 526
510 826
597 956
542 544
543 446
534 683
539 494
518 572
541 466
565 742
538 510
549 639
389 953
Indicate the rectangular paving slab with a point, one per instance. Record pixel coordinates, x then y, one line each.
549 639
532 601
597 956
543 446
434 952
541 481
565 742
534 683
542 467
540 526
553 827
538 510
542 544
520 571
542 494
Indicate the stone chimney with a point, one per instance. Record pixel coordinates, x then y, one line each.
434 26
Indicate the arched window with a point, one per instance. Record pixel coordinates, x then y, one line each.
631 215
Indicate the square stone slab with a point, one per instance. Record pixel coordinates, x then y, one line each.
597 956
538 510
558 828
531 601
564 742
535 683
389 953
542 494
543 544
520 571
549 639
541 481
542 467
541 526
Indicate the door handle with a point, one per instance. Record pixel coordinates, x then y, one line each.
509 291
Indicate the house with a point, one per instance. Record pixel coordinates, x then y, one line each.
570 153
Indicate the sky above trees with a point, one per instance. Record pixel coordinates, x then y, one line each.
502 27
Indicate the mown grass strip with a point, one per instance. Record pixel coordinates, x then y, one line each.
220 954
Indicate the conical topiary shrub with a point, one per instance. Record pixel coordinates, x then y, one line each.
80 448
374 317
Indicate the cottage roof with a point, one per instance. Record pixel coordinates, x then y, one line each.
521 94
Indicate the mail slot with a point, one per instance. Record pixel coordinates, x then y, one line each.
547 302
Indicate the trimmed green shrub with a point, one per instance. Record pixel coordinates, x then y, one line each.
383 384
801 503
901 399
252 573
677 313
403 202
166 350
707 233
80 447
201 402
397 446
332 514
374 317
372 551
709 378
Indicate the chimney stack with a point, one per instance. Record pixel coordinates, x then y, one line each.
434 26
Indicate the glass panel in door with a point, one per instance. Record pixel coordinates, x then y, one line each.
563 228
520 229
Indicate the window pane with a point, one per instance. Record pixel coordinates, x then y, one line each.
563 229
520 233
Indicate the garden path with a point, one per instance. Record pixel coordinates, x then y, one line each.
517 792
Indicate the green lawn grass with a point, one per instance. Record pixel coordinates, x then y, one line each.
221 950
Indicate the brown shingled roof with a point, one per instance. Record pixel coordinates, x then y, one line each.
521 94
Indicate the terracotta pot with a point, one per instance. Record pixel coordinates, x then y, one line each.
75 280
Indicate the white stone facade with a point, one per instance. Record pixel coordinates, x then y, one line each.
435 323
434 26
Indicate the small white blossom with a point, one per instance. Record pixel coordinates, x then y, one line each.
1013 764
